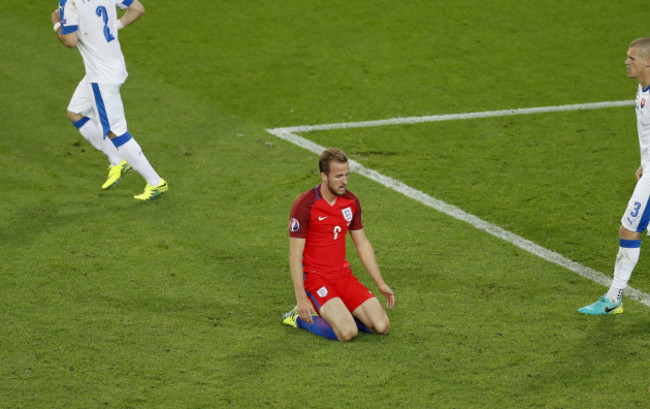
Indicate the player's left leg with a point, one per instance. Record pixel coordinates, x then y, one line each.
633 223
373 316
626 259
365 307
110 110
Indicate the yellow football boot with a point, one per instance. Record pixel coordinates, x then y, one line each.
115 173
152 192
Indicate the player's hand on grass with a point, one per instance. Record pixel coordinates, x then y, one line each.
388 293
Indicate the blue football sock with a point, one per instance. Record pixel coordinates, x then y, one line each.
362 327
319 327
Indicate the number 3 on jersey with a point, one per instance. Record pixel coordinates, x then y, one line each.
101 12
637 207
337 230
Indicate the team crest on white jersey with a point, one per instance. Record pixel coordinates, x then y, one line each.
347 214
294 225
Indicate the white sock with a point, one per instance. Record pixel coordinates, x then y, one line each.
625 262
132 152
93 134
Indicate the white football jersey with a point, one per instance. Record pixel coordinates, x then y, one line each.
95 23
643 124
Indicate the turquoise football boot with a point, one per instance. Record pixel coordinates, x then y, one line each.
603 307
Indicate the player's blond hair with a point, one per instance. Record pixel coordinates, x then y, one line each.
328 156
643 45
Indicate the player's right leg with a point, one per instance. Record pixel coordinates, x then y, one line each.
90 130
334 320
337 314
80 113
318 325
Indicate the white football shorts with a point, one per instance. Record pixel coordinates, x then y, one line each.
101 102
637 214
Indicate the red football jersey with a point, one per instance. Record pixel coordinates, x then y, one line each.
324 227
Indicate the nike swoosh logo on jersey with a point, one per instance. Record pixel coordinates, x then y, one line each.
322 218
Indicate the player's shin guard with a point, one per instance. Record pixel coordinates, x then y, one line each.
319 326
628 256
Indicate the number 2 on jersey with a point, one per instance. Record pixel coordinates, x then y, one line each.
337 230
101 12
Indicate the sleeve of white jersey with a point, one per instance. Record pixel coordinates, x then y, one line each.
69 17
123 4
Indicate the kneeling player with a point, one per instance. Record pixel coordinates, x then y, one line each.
331 302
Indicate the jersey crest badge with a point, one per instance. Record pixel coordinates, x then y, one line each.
294 225
322 292
642 102
347 214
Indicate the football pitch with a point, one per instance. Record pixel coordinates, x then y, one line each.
453 211
493 147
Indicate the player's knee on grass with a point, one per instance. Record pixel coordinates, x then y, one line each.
346 332
382 326
372 312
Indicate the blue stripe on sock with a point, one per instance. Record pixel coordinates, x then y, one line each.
361 326
78 124
629 244
121 140
101 109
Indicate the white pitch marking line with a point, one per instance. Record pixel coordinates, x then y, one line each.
289 134
451 117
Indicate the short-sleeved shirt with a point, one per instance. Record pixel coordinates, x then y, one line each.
324 228
643 124
95 22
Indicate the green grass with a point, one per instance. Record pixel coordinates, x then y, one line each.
105 302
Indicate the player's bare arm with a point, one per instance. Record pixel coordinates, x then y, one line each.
305 309
132 13
68 40
639 173
369 260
